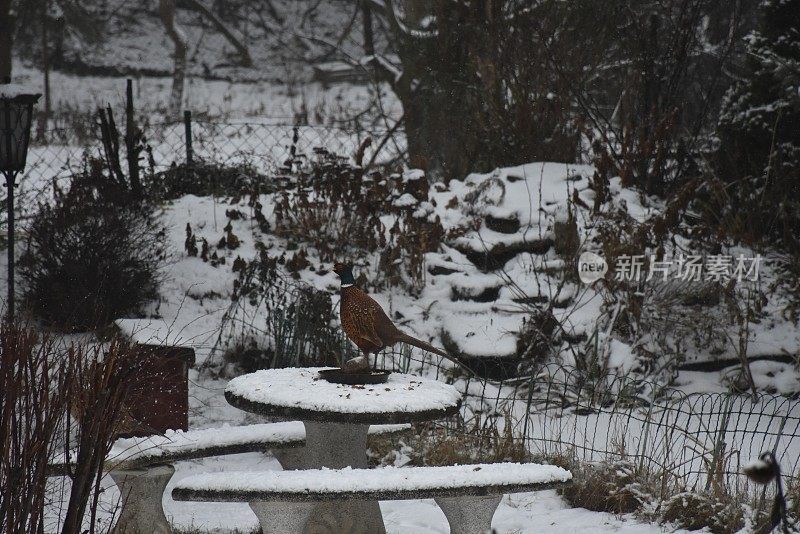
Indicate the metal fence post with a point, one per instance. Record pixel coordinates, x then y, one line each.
187 125
130 141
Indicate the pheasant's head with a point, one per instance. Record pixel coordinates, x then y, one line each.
345 272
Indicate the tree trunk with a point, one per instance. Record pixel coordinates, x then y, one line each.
441 136
132 142
7 21
166 9
41 127
369 45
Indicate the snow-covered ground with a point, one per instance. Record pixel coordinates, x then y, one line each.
195 296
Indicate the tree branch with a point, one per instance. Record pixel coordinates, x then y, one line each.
241 48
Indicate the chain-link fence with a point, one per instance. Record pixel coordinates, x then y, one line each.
265 144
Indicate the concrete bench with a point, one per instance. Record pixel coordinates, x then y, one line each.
283 501
141 467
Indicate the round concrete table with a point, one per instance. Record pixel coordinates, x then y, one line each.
336 418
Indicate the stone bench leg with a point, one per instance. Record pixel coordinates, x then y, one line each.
469 515
282 517
141 492
291 458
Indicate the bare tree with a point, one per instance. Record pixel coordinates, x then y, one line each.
473 85
498 82
166 10
7 25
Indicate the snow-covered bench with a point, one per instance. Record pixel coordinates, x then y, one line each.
141 467
284 501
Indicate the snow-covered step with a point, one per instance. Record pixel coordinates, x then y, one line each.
503 225
489 348
474 287
489 253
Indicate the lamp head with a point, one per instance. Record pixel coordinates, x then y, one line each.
16 116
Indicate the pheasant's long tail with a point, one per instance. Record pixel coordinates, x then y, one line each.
405 338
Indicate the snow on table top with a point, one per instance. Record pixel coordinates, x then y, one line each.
301 390
398 482
177 444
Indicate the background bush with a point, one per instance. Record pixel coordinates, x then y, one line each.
92 255
204 178
758 158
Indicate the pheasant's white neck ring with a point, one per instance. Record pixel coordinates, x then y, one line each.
347 285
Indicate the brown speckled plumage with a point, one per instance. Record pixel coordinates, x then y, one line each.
365 322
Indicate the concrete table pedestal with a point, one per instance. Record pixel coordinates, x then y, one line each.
338 445
282 517
469 515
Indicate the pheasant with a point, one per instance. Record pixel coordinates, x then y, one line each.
367 325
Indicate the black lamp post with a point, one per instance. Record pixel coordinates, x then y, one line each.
16 113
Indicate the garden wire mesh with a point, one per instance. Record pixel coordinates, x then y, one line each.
698 438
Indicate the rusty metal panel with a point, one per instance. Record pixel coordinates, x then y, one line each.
159 398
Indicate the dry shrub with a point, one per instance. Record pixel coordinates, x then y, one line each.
564 459
621 487
337 209
721 513
537 334
275 322
793 496
492 442
616 487
34 399
57 401
207 178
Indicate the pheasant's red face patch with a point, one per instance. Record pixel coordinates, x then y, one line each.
338 268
